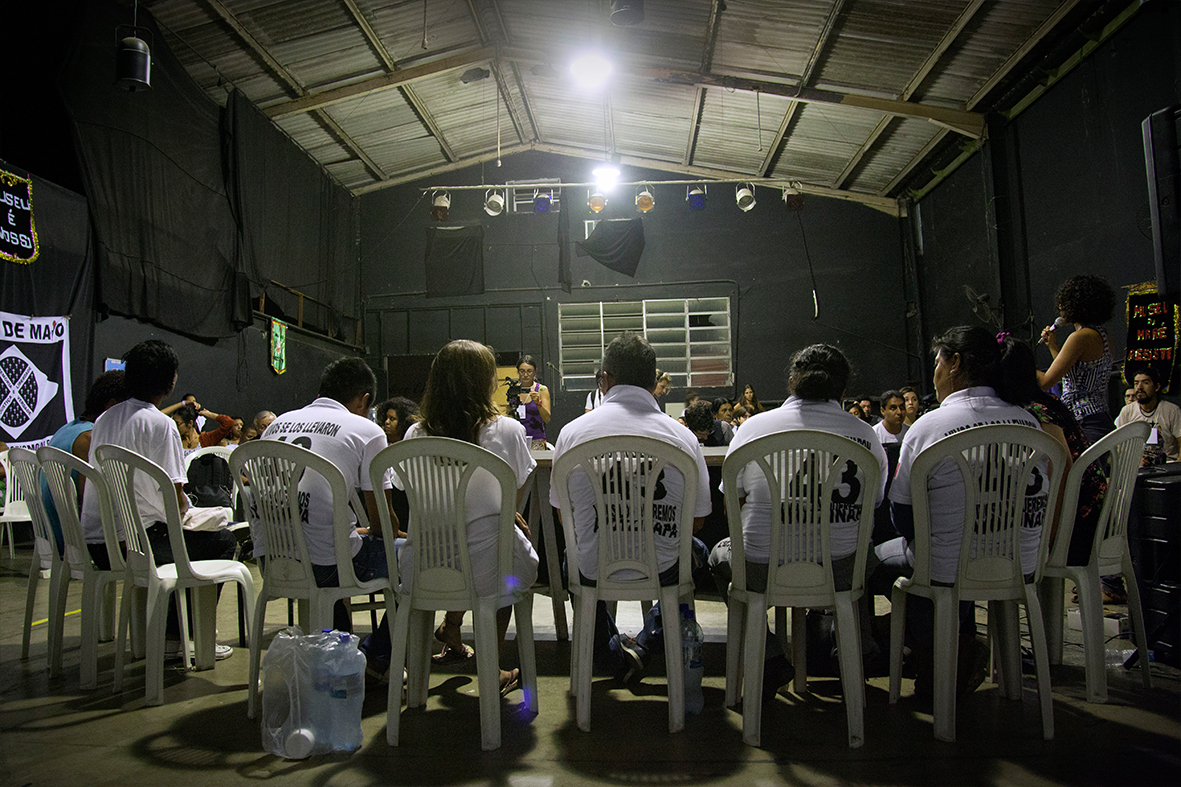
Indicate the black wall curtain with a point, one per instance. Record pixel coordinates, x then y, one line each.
61 280
167 245
298 226
454 261
617 243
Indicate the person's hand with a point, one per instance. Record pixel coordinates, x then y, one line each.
523 526
527 397
1050 335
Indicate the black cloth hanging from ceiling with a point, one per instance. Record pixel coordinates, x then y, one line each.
454 261
168 247
617 243
564 250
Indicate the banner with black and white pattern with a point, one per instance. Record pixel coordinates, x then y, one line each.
36 398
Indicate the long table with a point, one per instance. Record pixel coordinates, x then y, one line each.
541 520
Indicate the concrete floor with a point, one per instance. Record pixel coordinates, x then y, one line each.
55 734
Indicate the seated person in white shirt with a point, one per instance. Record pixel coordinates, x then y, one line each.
816 381
458 404
138 425
629 408
1147 406
335 427
892 426
967 365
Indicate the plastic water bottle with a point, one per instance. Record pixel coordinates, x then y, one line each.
691 642
346 692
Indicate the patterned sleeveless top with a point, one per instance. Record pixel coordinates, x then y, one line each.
534 425
1084 386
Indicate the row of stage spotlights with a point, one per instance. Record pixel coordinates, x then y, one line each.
495 200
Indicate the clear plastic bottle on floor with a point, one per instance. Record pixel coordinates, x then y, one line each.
346 692
692 640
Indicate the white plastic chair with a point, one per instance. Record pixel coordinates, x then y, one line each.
998 463
624 473
275 469
1120 452
436 473
806 472
15 507
121 468
98 587
24 473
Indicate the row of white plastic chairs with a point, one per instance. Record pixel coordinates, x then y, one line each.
802 469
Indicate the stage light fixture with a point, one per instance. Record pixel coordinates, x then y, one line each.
645 198
493 202
696 196
543 201
596 201
744 195
591 70
440 206
606 176
792 198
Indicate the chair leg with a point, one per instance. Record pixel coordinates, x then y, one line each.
108 619
260 614
91 612
946 649
154 659
1139 633
30 599
526 649
674 659
575 605
735 614
585 621
799 647
1090 607
488 672
897 629
848 630
59 585
1041 658
400 628
1052 597
11 546
121 636
754 645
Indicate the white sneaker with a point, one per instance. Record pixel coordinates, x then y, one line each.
172 651
222 652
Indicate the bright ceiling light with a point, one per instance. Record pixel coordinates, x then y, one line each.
744 195
591 71
493 202
645 199
596 201
695 196
606 176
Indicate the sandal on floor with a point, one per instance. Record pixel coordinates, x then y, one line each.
450 655
512 683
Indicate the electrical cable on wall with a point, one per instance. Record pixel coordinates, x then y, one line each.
811 270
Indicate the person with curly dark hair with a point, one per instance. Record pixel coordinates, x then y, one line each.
1083 362
395 416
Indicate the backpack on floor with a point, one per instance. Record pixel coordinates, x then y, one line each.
210 481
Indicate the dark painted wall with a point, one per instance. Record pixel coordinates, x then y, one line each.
232 376
759 257
1066 180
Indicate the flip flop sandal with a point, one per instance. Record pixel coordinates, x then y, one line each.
512 684
450 655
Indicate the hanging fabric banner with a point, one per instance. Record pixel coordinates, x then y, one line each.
35 393
18 235
1152 334
278 346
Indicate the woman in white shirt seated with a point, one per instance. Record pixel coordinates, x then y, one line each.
458 404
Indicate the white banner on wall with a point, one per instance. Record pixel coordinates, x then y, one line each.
36 398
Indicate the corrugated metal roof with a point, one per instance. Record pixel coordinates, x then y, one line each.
650 110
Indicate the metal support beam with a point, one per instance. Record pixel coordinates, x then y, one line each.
707 57
494 34
408 93
821 41
293 85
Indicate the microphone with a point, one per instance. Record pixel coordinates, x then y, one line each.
1058 323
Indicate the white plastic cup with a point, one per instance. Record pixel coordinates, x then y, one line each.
299 743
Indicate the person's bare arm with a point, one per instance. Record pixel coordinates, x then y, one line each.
81 449
375 516
698 523
1056 432
543 403
1071 352
182 500
172 408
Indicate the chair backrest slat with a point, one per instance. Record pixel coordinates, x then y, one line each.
59 467
25 473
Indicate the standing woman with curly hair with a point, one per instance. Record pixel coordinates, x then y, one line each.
1083 362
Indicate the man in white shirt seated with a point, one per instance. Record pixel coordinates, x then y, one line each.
1147 406
891 428
629 408
335 427
138 425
